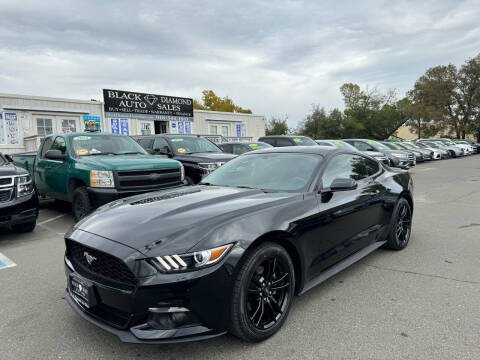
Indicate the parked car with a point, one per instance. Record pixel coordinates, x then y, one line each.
466 147
429 154
396 146
239 148
284 140
453 151
344 145
18 198
229 254
92 169
475 146
444 154
198 155
397 158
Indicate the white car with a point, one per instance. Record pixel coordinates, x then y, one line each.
465 146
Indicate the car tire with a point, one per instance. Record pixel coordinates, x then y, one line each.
25 227
261 297
81 203
401 226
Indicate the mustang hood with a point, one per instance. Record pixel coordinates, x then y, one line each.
173 221
129 162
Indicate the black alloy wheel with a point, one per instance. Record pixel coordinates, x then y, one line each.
401 226
263 293
267 295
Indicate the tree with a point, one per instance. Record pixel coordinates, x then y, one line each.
320 125
448 99
372 114
212 102
277 126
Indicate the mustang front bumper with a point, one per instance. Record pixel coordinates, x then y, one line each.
159 308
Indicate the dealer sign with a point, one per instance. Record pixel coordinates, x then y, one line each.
120 103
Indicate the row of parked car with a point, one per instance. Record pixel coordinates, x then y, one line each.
392 152
92 169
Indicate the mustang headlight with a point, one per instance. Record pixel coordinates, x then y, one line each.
400 155
192 261
24 185
100 178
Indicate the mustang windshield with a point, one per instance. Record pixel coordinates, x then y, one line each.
85 145
273 171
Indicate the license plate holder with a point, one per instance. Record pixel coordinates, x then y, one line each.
82 290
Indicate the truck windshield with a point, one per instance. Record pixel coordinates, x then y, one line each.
274 172
86 145
192 145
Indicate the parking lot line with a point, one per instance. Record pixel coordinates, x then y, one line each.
6 262
51 219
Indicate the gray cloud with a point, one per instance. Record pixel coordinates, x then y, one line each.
274 57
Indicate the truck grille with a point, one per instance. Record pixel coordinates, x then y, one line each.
6 181
103 267
147 179
5 195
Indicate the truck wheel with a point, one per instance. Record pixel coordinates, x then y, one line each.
24 228
81 204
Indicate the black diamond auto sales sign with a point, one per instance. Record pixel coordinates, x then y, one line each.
119 103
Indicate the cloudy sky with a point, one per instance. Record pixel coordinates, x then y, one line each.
275 57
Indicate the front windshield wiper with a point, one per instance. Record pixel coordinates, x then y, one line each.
205 183
130 153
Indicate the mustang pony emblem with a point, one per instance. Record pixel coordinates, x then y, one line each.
90 259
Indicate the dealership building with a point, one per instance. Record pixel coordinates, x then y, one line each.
25 119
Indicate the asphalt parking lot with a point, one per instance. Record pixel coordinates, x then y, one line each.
420 303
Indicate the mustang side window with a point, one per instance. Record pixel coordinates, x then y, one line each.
345 166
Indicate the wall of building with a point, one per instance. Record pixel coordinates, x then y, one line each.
25 119
24 116
405 132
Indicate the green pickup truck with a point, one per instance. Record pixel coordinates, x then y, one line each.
92 169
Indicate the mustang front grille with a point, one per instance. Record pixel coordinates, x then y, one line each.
97 265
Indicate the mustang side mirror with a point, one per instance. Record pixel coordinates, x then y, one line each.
340 184
55 155
8 157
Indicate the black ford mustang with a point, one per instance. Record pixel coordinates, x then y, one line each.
230 254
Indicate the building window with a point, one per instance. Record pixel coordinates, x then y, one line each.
68 125
44 126
225 130
213 129
146 128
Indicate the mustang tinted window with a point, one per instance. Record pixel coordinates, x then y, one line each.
372 166
346 166
277 171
